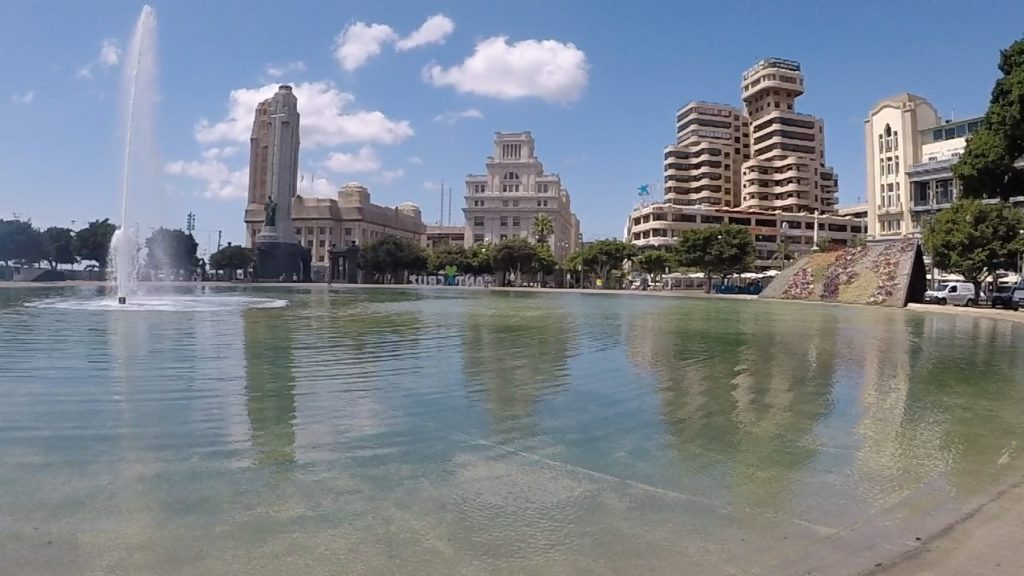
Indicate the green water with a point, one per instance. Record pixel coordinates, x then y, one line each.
478 432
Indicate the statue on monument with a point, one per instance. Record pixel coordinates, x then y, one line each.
270 209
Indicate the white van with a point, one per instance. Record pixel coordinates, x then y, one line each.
957 293
1018 296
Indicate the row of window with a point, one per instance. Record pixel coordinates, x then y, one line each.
888 226
505 203
789 134
511 151
511 188
958 131
784 121
889 166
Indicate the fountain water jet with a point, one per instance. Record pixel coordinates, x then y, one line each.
138 95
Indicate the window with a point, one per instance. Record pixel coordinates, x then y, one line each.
515 203
545 203
309 230
881 166
323 231
510 176
937 134
515 221
323 244
504 221
504 203
309 243
961 131
895 140
897 165
298 231
348 231
478 221
478 238
538 202
789 106
503 237
728 155
879 143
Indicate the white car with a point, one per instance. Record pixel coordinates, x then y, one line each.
1018 296
957 293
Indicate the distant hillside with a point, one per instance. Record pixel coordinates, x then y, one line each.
879 274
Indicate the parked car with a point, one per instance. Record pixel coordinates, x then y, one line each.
956 293
1002 297
1018 296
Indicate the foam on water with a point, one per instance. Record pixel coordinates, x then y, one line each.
163 303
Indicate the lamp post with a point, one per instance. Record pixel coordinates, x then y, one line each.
785 233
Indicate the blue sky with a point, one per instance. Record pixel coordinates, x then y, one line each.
424 109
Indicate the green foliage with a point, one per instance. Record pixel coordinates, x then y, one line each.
653 262
973 239
171 250
448 255
986 170
605 256
20 242
727 249
543 227
93 241
544 261
391 257
478 259
513 256
59 246
231 257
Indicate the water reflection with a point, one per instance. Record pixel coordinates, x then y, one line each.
270 385
515 353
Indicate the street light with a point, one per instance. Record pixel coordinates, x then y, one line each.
785 232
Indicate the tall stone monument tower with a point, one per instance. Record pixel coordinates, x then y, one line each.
273 179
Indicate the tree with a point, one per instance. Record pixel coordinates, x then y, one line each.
654 262
974 239
390 258
604 256
986 168
20 242
513 255
716 251
93 242
59 246
171 251
544 263
542 227
478 259
231 258
445 255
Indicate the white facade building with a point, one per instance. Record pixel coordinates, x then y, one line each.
910 153
502 203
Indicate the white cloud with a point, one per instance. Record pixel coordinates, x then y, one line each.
546 69
389 176
431 185
415 160
276 71
322 187
110 53
218 180
109 56
365 160
225 152
326 120
453 117
23 97
435 30
359 42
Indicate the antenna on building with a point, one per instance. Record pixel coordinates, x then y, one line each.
952 114
441 221
449 205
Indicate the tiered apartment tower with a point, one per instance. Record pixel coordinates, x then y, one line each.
703 167
786 170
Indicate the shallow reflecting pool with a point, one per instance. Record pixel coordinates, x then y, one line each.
462 431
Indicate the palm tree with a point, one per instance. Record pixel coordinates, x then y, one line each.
543 227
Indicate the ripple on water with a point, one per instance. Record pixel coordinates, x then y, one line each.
162 303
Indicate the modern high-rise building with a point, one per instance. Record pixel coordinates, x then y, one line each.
786 170
274 163
751 167
504 202
703 167
910 152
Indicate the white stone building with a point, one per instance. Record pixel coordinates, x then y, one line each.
910 153
502 203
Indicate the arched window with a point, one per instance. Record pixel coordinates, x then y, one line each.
888 131
510 176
